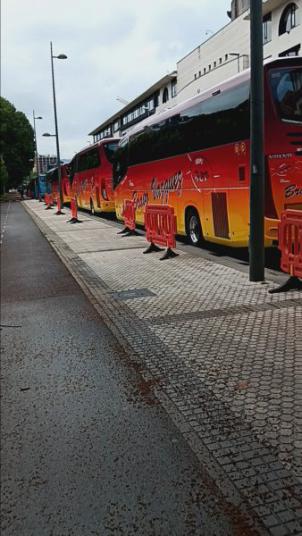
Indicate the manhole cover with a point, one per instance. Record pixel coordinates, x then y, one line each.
133 294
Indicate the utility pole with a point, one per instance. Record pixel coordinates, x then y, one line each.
257 171
60 57
38 193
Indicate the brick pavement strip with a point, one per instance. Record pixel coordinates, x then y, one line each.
222 355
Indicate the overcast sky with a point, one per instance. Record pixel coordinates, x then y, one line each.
114 48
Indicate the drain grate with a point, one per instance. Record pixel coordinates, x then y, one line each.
133 294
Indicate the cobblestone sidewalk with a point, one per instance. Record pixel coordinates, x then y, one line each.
223 356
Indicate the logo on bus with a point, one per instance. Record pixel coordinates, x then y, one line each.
292 191
161 190
280 155
140 200
240 148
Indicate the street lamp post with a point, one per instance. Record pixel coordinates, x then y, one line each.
257 170
60 57
37 157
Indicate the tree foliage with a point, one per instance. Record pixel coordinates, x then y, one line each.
3 177
16 143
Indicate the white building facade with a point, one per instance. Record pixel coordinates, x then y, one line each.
228 51
221 56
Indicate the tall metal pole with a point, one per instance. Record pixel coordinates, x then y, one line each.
37 159
56 127
257 171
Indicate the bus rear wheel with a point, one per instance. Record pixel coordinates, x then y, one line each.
193 227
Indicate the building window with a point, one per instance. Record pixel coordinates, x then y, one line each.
293 51
215 64
166 93
210 67
204 70
226 57
150 103
173 88
267 28
220 60
288 19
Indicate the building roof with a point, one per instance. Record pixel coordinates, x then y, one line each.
268 5
143 96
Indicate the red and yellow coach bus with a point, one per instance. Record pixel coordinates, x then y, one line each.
52 180
195 157
91 175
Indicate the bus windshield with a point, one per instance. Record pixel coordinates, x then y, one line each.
120 162
110 149
287 93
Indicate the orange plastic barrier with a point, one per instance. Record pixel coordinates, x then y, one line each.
129 214
290 244
48 201
129 218
160 224
59 206
74 211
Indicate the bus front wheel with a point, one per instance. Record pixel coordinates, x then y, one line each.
193 227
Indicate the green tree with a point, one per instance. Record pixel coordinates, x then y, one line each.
16 143
3 177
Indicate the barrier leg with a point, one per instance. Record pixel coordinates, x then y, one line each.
293 283
151 248
59 211
74 213
74 220
131 232
169 254
123 231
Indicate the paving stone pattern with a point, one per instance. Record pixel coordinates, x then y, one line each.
224 358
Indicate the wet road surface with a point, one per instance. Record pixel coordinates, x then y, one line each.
86 448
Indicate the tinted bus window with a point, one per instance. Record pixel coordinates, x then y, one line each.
287 92
88 160
120 163
52 175
221 119
72 168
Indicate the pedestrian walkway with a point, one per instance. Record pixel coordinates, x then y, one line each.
223 356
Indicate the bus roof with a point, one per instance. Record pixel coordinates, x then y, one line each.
222 86
97 144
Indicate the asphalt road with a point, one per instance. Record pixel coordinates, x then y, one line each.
86 448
